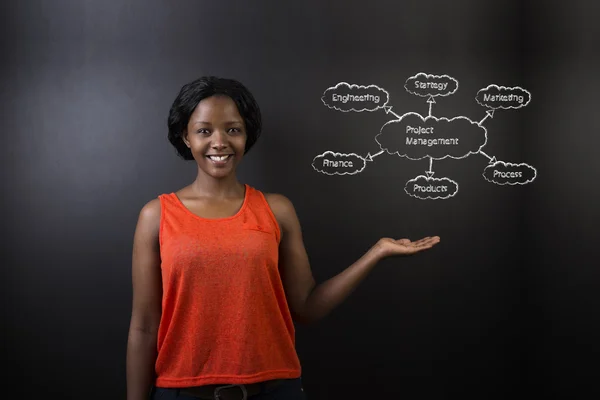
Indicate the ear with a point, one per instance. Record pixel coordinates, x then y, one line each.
184 137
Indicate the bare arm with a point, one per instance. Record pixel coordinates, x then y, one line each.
146 305
308 301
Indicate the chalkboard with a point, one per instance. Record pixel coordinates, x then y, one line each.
471 120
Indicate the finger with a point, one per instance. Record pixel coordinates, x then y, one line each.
426 242
430 242
427 245
429 239
423 240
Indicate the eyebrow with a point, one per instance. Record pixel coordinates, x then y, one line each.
226 123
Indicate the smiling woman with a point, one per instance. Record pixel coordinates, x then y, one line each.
246 112
220 272
216 136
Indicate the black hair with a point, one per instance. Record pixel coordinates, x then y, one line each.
192 93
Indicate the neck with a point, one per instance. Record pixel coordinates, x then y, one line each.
208 186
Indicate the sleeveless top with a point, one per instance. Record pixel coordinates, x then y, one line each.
225 318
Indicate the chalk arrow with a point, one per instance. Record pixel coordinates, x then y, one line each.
370 157
489 113
430 172
431 102
492 159
388 110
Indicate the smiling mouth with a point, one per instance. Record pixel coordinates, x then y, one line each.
220 158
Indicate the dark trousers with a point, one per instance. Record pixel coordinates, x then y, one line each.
290 389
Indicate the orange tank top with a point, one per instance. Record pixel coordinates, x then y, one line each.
225 318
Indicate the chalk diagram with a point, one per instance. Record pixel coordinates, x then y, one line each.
417 137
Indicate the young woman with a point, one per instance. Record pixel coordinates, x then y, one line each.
220 272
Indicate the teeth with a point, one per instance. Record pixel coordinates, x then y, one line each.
218 158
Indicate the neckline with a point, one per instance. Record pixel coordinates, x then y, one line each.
237 214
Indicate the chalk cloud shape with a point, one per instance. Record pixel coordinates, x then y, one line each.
338 97
507 173
422 187
394 137
413 85
488 95
320 163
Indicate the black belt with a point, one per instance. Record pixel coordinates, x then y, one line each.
230 392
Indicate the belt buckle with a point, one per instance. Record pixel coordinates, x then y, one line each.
242 387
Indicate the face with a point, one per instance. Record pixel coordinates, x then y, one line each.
216 135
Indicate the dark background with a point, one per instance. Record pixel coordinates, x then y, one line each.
506 304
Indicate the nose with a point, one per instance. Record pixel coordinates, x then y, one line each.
219 141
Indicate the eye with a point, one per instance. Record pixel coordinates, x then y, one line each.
204 131
234 130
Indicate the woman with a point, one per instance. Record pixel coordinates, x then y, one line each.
219 269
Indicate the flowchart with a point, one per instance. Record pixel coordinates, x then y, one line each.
417 137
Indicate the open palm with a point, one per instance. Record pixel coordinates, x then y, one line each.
404 247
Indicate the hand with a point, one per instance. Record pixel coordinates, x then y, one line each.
404 247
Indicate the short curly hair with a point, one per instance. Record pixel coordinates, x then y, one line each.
192 93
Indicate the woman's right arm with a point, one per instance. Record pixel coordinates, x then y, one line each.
146 304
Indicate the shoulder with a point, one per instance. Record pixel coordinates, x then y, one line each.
151 210
278 201
149 216
282 208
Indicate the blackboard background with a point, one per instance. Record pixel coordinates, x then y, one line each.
507 302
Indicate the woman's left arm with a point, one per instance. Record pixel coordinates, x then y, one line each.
308 301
